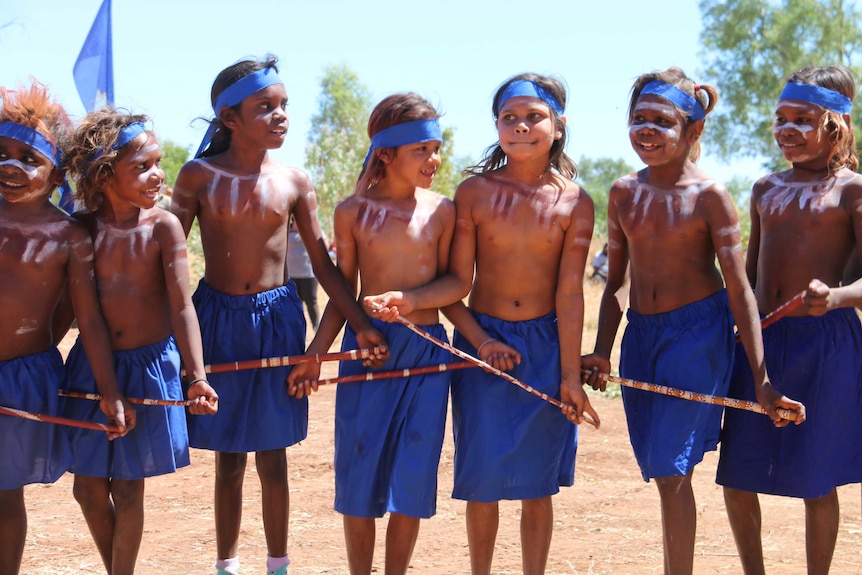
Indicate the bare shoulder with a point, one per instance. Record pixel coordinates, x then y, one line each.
435 199
162 220
293 175
350 205
767 182
626 184
850 182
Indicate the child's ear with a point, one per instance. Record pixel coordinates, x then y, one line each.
229 118
695 129
385 154
558 134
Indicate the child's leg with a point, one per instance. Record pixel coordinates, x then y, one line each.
13 530
272 471
821 532
482 522
679 523
93 494
230 471
359 543
401 534
128 496
743 513
537 525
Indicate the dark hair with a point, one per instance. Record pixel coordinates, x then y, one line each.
225 79
838 79
705 94
495 157
97 132
391 111
33 107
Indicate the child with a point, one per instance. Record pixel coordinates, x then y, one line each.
42 253
526 228
143 285
806 223
392 233
247 307
668 223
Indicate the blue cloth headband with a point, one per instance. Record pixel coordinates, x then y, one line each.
406 133
682 100
532 90
236 93
125 136
817 95
32 138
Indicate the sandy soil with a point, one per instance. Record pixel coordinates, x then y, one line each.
607 523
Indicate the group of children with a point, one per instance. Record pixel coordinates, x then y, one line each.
119 267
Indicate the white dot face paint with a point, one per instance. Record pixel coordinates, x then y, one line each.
799 133
656 129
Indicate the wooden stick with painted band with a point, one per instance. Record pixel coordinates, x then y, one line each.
57 420
138 401
289 360
694 396
794 303
486 366
374 375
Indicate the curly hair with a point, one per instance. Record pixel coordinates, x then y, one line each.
32 106
91 157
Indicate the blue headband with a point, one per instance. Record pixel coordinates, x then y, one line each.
125 136
532 90
406 133
682 100
817 95
32 138
236 93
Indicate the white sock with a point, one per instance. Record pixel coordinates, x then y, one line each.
230 566
276 563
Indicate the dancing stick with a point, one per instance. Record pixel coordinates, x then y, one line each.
781 311
372 375
486 366
289 360
693 395
97 397
58 420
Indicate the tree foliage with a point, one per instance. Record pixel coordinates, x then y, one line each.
597 175
337 141
752 46
449 175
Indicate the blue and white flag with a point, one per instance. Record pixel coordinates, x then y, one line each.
94 68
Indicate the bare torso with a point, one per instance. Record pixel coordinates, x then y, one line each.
399 244
35 249
667 238
805 232
520 236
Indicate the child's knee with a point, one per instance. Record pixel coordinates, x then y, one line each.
272 465
127 493
230 467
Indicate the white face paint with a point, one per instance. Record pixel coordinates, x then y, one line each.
29 170
790 126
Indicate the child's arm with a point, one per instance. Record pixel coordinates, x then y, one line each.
184 319
725 236
94 332
339 291
488 349
569 306
614 299
448 287
184 201
63 318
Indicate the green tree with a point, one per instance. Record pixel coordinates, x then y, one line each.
597 175
751 47
337 141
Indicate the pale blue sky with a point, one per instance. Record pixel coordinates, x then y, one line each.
455 53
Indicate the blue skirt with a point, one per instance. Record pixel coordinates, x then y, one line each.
689 348
818 361
389 433
510 444
255 413
159 442
32 451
